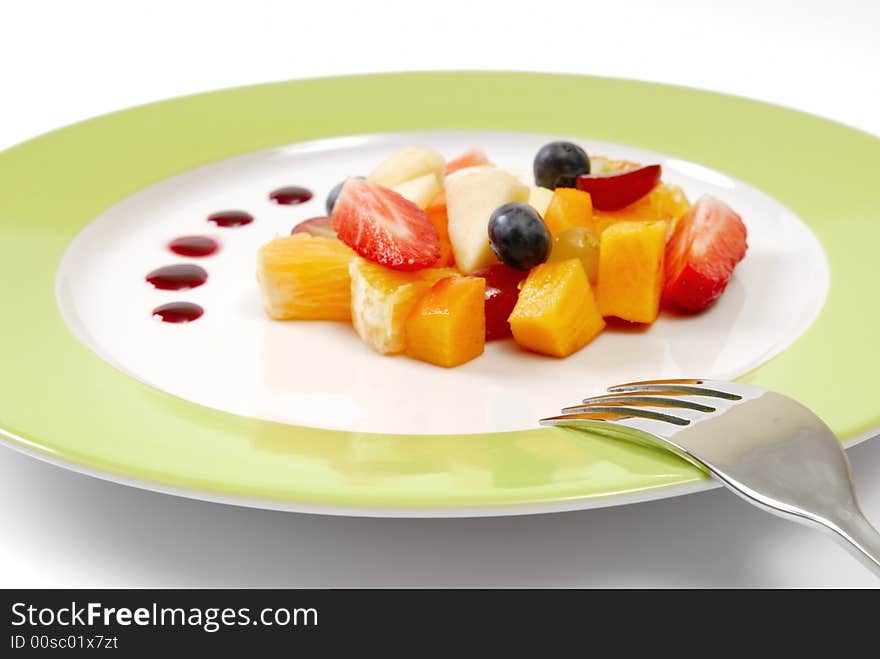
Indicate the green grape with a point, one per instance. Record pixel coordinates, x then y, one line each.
578 243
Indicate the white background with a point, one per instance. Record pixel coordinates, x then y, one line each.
64 61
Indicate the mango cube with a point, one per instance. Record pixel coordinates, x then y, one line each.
381 300
447 326
631 270
569 208
556 313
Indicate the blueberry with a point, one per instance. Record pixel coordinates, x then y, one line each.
518 236
334 193
558 164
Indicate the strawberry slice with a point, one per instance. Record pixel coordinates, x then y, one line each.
383 227
708 242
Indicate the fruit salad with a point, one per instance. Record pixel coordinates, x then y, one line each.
433 258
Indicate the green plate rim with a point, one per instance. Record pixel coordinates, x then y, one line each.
60 400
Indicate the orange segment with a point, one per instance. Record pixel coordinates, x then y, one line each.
305 277
438 203
556 313
381 300
569 208
447 326
436 211
631 270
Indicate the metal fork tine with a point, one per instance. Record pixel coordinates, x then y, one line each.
615 412
585 416
670 387
768 448
670 381
635 399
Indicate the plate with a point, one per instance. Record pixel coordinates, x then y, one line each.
320 374
300 416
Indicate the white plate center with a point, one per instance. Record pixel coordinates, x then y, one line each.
319 373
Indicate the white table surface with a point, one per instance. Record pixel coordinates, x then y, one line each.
68 61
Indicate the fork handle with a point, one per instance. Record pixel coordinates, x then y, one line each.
858 536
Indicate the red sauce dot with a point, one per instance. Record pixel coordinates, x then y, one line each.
231 218
178 277
178 312
290 195
194 246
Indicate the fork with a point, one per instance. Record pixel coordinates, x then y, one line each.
769 449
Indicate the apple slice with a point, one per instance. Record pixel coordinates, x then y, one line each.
539 199
611 192
421 191
412 162
472 194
